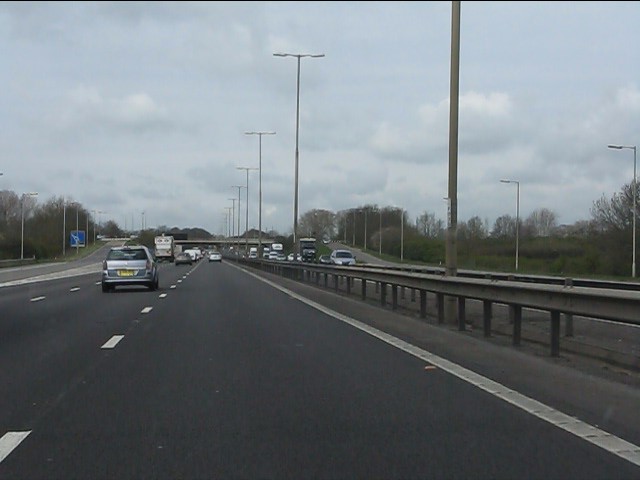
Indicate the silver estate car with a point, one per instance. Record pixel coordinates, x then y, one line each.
342 257
129 265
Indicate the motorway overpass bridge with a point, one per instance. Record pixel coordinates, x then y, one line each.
224 242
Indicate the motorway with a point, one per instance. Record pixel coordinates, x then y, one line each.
225 374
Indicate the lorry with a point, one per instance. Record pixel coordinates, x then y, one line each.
308 249
164 247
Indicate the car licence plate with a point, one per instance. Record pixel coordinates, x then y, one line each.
125 273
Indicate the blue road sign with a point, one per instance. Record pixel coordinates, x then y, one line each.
76 238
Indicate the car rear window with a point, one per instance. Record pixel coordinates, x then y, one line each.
344 255
137 254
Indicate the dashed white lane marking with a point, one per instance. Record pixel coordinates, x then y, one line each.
179 281
172 286
98 283
74 289
146 309
163 295
583 430
10 441
37 299
112 342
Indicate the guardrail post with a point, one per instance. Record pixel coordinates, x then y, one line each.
568 317
377 287
402 296
317 277
348 285
555 333
383 294
423 304
394 297
486 308
336 280
515 312
363 287
440 300
326 280
413 294
461 313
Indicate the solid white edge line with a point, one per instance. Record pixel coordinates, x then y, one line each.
112 342
583 430
10 441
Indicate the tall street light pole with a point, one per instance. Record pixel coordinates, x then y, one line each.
246 224
64 227
233 216
380 236
239 187
77 229
260 134
517 215
228 225
353 241
633 255
365 229
24 195
295 197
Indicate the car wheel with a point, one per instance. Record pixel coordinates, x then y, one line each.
105 288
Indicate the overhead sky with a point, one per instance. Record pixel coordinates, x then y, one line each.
132 107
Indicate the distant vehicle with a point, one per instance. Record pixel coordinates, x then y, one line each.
164 247
273 255
253 252
324 259
130 265
291 257
342 257
265 252
276 247
194 253
281 256
215 256
308 249
183 258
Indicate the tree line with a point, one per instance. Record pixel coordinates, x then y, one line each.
600 245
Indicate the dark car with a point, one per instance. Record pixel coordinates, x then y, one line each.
183 258
129 265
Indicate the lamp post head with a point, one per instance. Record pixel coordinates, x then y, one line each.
299 55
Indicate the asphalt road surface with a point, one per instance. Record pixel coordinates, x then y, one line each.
221 374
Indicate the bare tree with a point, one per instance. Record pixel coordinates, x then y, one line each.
541 223
504 227
616 213
430 226
9 206
317 223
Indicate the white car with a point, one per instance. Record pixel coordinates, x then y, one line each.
215 256
342 257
